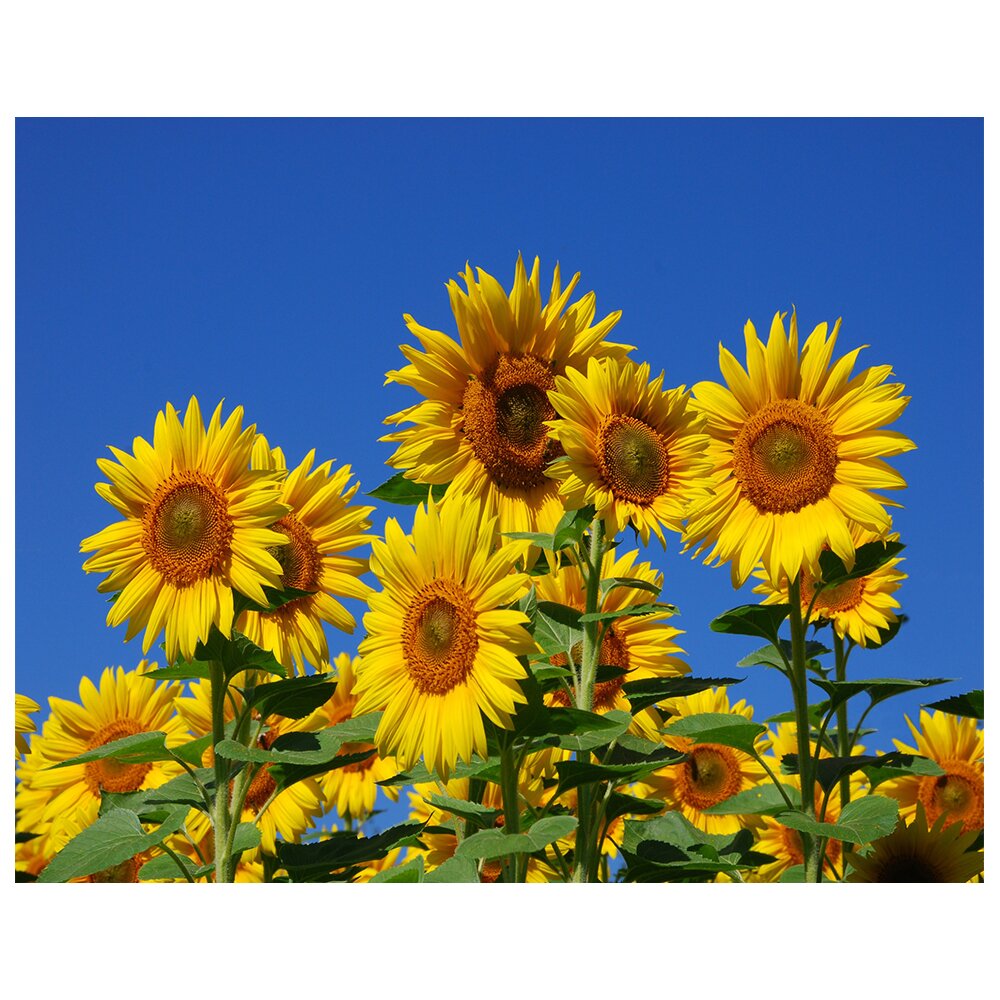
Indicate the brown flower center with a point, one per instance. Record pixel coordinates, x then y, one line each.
711 775
299 557
833 600
439 637
958 792
910 867
632 459
186 528
505 408
785 457
260 790
111 775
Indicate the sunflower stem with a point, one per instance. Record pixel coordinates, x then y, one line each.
800 694
511 809
586 794
221 818
843 731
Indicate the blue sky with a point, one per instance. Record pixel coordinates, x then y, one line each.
269 262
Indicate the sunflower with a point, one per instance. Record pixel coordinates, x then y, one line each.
781 842
319 528
289 813
798 448
352 789
858 609
481 427
914 853
442 648
197 524
634 451
124 704
956 745
712 773
23 723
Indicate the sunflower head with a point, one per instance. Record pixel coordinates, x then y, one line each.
482 425
633 450
797 447
916 853
196 525
442 644
319 528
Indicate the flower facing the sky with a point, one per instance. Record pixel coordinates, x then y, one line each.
915 853
798 449
634 451
858 609
442 644
958 795
482 426
196 525
318 529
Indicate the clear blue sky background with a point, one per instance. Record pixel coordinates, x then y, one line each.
269 262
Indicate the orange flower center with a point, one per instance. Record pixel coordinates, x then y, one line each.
632 459
833 600
791 840
711 775
439 637
785 457
360 767
299 557
186 528
505 408
958 792
112 775
260 790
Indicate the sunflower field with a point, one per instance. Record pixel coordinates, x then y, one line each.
519 694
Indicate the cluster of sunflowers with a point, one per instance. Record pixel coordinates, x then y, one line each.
519 672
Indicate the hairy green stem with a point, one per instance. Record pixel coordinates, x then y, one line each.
843 732
509 760
221 819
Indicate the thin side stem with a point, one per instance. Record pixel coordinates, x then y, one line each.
221 818
843 732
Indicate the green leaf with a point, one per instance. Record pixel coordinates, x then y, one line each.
969 704
573 773
164 867
892 765
769 656
398 489
652 690
454 870
412 871
465 809
860 822
653 607
867 559
537 538
761 620
294 698
490 844
246 838
237 654
305 748
181 671
878 689
557 628
620 804
142 748
571 528
110 840
627 583
275 599
317 861
718 727
574 729
463 769
762 800
193 752
528 605
181 790
886 635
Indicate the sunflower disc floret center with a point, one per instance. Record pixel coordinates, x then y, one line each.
299 556
633 459
186 528
958 792
785 457
711 775
505 409
110 775
439 637
833 600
